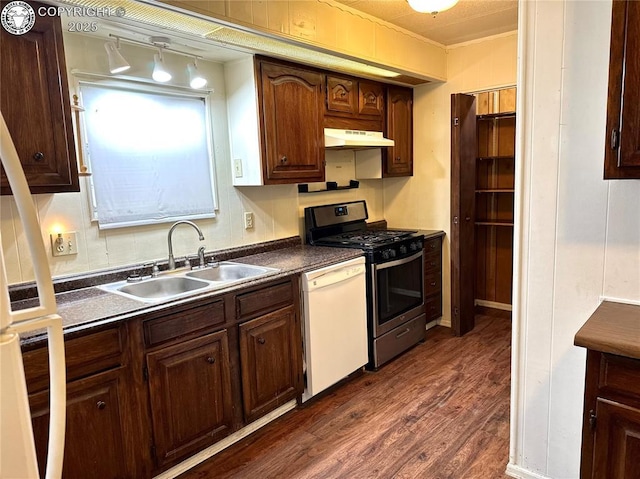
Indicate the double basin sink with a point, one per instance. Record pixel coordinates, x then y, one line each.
182 283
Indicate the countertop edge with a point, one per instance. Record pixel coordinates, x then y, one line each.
612 328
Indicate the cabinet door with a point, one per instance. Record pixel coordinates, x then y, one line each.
617 441
190 392
622 150
291 113
341 95
95 439
399 158
35 105
370 99
269 356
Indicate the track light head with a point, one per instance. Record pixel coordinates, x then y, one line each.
117 63
196 80
160 73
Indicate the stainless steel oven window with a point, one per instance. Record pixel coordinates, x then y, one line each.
398 287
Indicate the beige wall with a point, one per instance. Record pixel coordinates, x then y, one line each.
423 201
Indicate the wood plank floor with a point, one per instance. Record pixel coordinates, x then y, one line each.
439 411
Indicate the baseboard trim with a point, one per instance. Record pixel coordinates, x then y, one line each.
205 454
493 304
521 473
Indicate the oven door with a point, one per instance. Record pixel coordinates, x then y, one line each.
398 292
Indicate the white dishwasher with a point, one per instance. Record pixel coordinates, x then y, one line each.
335 324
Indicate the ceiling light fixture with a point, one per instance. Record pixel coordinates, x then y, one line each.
160 73
117 63
431 6
196 80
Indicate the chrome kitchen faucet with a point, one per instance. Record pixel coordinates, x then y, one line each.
172 261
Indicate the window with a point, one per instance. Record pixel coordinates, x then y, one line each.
149 153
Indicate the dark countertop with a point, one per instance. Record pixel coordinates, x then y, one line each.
613 328
92 307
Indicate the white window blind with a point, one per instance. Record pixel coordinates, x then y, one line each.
149 154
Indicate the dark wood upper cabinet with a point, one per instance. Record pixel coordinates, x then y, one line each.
622 147
342 95
370 99
398 159
35 105
291 117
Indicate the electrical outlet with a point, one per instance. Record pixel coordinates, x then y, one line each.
237 168
248 220
63 244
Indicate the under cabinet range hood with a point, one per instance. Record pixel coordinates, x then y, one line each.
334 138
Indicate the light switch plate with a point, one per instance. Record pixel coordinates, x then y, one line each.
248 220
237 168
63 244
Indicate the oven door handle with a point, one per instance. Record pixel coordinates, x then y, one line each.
398 262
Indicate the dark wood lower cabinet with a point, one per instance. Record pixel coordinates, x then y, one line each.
95 441
269 359
617 441
190 393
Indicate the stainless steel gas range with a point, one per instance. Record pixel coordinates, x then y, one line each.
394 259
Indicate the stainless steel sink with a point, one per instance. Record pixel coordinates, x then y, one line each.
178 284
158 289
229 272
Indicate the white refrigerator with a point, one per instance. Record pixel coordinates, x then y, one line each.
17 450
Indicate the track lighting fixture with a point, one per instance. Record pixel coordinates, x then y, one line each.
117 63
196 80
160 73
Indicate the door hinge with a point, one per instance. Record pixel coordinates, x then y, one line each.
145 373
456 121
592 419
615 139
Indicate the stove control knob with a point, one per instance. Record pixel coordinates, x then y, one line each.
403 249
385 254
413 246
392 253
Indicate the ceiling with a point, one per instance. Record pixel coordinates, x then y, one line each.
468 20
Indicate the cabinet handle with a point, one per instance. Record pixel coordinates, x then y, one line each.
211 360
433 283
397 159
592 419
283 160
101 405
39 156
261 340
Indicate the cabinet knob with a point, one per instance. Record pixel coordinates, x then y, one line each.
101 405
397 159
39 156
211 360
261 340
283 160
433 283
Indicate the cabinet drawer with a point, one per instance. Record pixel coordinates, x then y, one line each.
265 300
432 245
432 262
433 307
432 283
620 374
157 331
84 356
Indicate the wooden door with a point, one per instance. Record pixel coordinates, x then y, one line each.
370 99
617 441
342 95
398 159
35 105
463 168
95 439
190 391
622 150
292 114
268 357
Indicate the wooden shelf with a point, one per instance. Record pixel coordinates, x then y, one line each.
493 223
495 190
